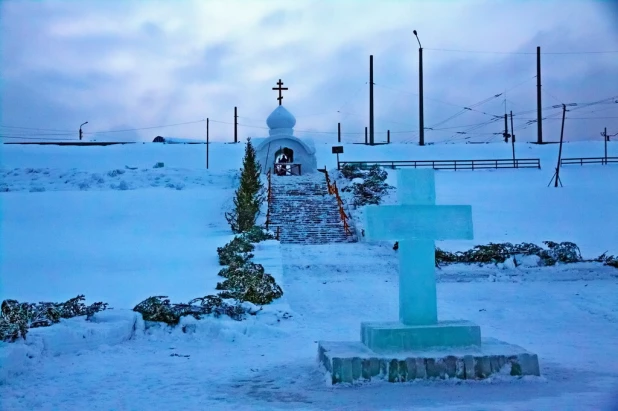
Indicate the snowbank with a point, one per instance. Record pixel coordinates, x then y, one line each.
70 336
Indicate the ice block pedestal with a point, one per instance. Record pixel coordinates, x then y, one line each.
350 362
418 345
395 336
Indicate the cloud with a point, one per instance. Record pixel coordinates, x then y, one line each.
139 64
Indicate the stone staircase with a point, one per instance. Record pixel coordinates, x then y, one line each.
304 212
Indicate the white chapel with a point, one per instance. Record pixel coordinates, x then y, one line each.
282 152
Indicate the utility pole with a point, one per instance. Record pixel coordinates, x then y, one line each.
207 144
421 120
421 141
539 115
513 141
235 125
81 134
506 134
557 173
606 139
338 132
371 140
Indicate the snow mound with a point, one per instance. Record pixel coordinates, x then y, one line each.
130 178
70 336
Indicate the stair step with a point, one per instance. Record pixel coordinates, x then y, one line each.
305 212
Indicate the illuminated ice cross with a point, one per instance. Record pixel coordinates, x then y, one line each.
416 223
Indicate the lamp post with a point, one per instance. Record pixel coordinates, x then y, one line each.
80 131
421 140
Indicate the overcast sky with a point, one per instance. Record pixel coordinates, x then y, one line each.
136 64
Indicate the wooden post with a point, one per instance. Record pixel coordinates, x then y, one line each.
560 149
366 135
207 143
338 132
388 136
235 125
539 115
268 198
371 136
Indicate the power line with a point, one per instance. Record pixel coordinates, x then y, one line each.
37 138
591 118
544 90
594 103
145 128
601 109
471 107
432 99
466 109
525 52
40 129
249 126
520 83
24 133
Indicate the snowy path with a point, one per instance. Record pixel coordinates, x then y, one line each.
572 325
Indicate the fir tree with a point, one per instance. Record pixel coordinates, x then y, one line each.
249 196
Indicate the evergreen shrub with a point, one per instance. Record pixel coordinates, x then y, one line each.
373 187
249 196
159 308
495 253
250 283
16 318
236 251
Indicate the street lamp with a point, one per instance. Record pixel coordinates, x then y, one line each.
421 140
80 130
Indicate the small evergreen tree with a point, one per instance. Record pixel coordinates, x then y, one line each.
249 196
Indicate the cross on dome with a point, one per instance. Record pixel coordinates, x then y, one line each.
280 83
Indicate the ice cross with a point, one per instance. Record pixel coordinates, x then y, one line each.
416 223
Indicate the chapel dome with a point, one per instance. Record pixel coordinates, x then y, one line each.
280 118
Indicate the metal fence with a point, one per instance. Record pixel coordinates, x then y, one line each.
588 160
450 164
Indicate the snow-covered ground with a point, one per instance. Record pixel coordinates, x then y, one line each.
69 225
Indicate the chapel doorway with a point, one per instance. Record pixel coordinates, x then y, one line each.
284 159
286 154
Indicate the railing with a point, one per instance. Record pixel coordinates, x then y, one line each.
451 164
269 197
333 190
588 160
287 169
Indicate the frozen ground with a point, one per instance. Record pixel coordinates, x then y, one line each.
122 246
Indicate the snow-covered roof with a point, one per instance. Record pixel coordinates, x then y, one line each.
280 118
176 140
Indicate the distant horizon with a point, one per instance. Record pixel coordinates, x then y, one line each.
335 143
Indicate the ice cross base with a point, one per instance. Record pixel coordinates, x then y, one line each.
388 337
